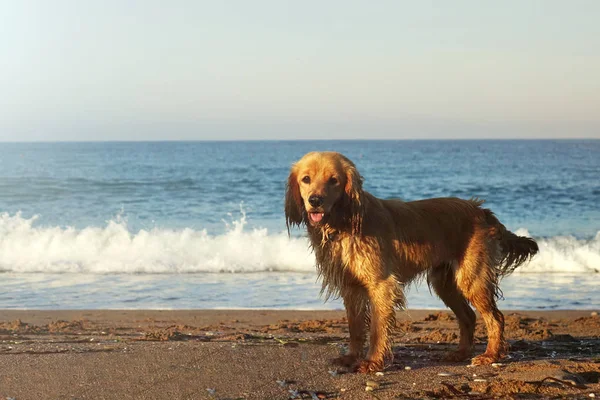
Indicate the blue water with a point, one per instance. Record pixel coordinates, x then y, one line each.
207 217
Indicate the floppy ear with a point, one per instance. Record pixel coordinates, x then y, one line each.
354 193
293 202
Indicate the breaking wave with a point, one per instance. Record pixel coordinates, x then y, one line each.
565 254
115 249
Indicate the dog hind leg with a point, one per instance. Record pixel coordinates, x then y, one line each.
478 281
443 281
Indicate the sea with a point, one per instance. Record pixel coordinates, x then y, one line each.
200 225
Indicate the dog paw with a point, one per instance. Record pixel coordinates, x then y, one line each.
456 356
484 359
345 361
368 366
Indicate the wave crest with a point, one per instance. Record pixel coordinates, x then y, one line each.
114 249
564 254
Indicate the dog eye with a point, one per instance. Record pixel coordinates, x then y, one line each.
333 181
306 179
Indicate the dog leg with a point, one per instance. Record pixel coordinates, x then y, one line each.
355 301
477 280
494 323
443 281
382 297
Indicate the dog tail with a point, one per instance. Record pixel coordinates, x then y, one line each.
514 250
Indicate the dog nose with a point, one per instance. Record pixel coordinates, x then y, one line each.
315 200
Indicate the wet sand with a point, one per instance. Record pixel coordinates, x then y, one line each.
241 354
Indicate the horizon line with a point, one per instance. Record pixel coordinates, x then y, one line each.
297 140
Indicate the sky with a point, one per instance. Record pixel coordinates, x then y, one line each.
276 69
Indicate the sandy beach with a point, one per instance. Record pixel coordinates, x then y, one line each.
241 354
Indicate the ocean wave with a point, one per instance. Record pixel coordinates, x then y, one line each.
564 254
114 249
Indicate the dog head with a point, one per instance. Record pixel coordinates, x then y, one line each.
324 189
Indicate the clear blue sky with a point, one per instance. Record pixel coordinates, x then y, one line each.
277 69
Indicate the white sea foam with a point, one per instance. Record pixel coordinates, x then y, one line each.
564 254
27 248
114 249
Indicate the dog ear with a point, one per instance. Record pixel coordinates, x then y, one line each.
293 202
354 194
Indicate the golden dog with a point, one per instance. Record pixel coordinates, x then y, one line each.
368 248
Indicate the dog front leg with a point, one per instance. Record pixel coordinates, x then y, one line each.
355 302
382 299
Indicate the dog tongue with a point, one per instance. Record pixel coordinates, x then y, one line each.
316 217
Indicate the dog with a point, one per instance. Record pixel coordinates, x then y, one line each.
367 249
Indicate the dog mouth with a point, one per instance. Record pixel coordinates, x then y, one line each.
316 218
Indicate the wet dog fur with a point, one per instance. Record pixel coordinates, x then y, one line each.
367 249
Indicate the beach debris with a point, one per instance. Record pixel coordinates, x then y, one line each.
563 338
283 342
295 394
447 374
372 384
553 379
474 393
479 380
368 389
471 366
211 391
283 383
452 389
497 365
333 373
407 368
486 375
591 395
379 373
573 379
593 314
